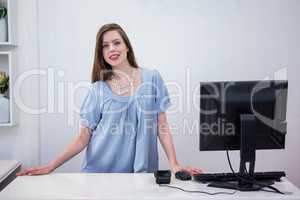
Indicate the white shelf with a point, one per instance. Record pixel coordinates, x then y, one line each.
8 58
7 64
7 44
11 22
7 125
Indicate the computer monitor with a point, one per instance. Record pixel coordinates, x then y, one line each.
243 115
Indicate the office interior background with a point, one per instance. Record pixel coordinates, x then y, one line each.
187 41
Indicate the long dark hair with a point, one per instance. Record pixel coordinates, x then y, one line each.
101 69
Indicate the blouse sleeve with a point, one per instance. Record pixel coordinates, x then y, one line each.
162 99
90 111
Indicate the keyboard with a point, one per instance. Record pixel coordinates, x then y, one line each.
259 176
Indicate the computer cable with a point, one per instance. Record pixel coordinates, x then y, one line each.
273 188
252 180
196 191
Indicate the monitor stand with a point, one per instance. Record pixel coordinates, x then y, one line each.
247 155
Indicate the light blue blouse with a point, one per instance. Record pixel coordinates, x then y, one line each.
124 129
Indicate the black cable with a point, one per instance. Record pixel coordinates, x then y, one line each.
228 159
253 181
196 191
262 184
265 185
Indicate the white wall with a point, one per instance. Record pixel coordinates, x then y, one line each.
214 40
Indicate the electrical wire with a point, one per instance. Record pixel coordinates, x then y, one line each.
252 180
196 191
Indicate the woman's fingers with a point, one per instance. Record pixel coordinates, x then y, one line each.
36 172
40 172
192 170
197 170
30 171
22 173
187 169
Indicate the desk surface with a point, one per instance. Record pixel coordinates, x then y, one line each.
124 186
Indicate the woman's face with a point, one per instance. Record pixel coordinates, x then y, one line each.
114 49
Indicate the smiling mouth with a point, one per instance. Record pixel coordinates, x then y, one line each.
114 56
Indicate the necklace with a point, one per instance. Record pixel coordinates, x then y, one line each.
122 88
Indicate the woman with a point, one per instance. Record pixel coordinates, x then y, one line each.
122 114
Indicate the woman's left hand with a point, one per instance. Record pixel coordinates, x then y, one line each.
189 169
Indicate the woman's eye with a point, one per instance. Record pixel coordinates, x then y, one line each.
117 43
105 46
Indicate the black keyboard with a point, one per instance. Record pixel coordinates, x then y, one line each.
259 176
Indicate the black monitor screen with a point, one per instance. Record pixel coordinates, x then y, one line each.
223 103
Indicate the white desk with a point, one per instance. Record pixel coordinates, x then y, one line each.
8 168
123 186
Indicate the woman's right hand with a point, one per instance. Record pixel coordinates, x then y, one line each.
73 149
36 171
